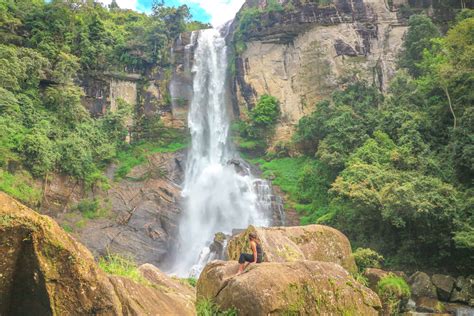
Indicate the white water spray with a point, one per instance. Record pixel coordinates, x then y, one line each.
217 197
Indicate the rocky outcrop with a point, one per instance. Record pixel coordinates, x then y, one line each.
301 54
291 288
44 271
164 296
144 209
421 285
444 285
373 276
283 244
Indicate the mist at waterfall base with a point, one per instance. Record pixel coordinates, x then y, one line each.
218 198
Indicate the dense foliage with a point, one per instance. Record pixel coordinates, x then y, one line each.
395 171
254 133
45 48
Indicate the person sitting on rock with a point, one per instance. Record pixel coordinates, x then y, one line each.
256 257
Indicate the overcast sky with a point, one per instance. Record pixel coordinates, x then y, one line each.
217 12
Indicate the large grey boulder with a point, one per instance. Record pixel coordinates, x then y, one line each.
421 285
444 285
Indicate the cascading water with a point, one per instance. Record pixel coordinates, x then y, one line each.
218 197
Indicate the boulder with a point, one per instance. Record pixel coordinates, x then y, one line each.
374 275
286 244
286 288
463 291
444 285
45 271
429 305
421 285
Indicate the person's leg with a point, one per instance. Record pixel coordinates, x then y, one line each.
243 258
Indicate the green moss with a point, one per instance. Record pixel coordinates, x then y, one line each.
5 220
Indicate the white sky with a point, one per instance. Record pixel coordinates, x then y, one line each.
220 11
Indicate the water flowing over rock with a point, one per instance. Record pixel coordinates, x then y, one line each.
44 271
219 196
290 288
312 242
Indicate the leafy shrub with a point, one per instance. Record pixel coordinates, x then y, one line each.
91 209
393 290
367 258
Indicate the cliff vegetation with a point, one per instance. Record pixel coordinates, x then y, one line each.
46 48
393 170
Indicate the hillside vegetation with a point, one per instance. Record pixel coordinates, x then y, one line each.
45 47
393 171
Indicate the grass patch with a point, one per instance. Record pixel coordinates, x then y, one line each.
191 281
92 209
67 228
392 290
124 266
20 186
137 154
305 181
284 172
206 307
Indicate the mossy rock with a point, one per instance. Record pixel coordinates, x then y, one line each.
286 288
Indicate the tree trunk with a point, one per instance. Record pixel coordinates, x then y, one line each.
450 104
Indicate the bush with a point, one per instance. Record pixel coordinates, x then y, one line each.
393 290
90 209
367 258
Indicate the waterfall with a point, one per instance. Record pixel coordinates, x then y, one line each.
219 190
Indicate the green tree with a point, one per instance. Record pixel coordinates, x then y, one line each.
418 38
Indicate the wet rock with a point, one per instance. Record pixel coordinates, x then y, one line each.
218 246
299 288
421 285
283 244
374 275
444 285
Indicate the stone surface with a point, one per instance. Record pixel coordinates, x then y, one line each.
46 272
145 207
282 244
463 291
300 55
290 288
421 285
429 305
374 275
444 285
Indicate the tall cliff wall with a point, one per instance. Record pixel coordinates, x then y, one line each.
302 53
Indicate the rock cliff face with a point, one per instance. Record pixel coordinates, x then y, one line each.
144 209
301 54
44 271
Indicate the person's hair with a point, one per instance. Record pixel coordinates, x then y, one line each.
253 236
